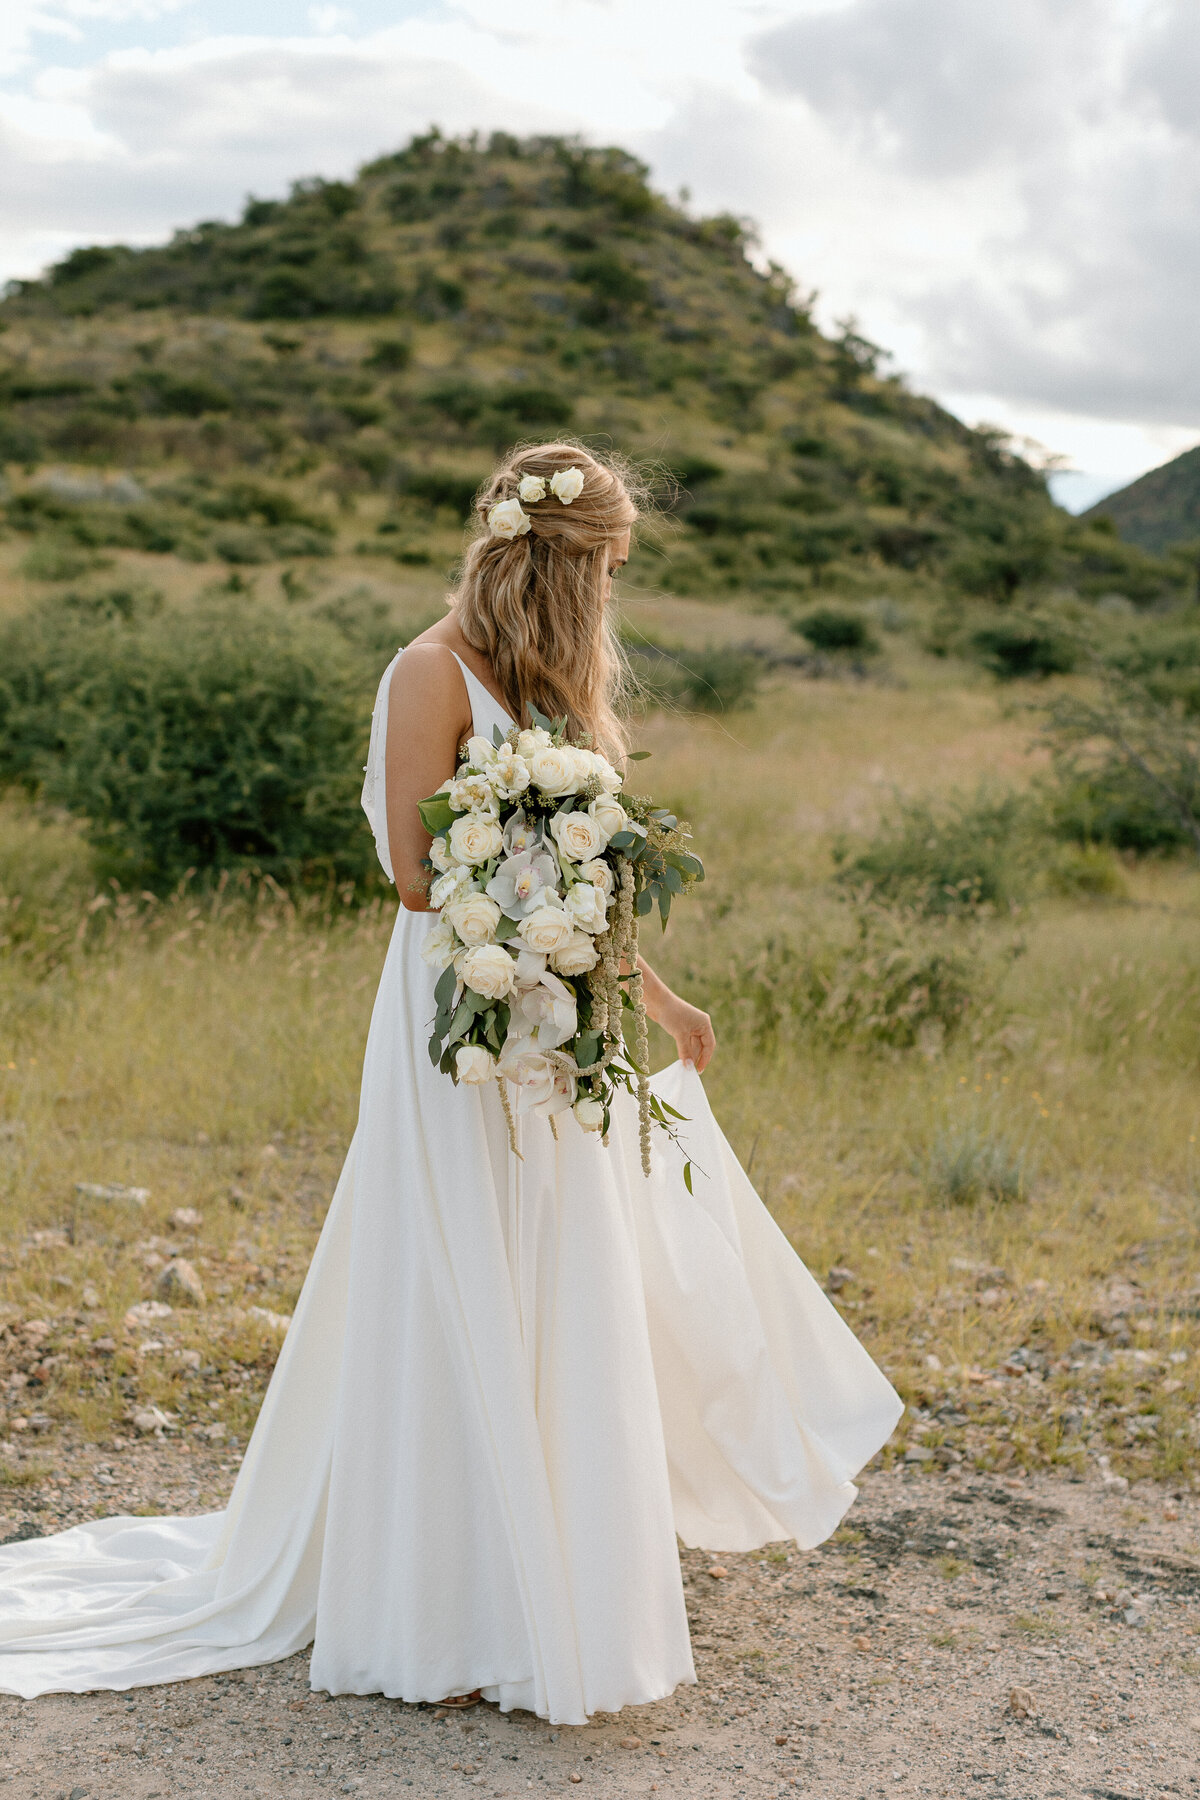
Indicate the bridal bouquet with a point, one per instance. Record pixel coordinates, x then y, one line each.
543 867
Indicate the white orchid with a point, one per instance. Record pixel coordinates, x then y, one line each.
546 1013
521 882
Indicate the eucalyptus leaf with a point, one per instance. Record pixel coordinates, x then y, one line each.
638 756
437 814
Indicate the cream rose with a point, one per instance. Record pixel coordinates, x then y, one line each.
567 485
545 930
439 946
457 877
609 815
576 956
585 907
475 838
599 874
474 793
473 1063
480 753
440 857
579 837
507 520
509 773
589 1113
537 738
532 488
608 777
475 918
553 771
489 970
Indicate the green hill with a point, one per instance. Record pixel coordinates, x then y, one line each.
1159 509
335 371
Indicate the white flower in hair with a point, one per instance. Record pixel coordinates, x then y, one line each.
507 520
532 488
567 485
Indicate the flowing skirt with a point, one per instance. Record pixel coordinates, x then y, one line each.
508 1385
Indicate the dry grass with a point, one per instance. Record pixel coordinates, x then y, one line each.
210 1051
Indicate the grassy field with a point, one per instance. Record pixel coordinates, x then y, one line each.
1006 1209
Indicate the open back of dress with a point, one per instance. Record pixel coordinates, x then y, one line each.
508 1384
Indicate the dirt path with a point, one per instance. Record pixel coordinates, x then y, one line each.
963 1635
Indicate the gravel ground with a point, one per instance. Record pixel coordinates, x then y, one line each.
961 1635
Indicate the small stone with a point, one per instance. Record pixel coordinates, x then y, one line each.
917 1453
79 1793
718 1572
837 1279
575 1777
112 1190
191 1360
145 1312
1194 1723
185 1218
273 1320
18 1424
179 1282
862 1643
90 1297
780 1741
151 1419
631 1743
1021 1703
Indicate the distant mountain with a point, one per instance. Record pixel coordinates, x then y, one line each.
367 346
1159 509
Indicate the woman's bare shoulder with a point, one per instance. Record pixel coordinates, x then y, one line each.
427 682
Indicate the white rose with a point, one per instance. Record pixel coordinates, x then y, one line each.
480 753
567 485
579 837
609 814
553 770
545 929
474 793
608 777
439 946
532 488
509 773
576 956
473 1063
489 970
536 738
507 520
446 886
440 857
475 838
585 763
475 918
585 907
599 874
589 1113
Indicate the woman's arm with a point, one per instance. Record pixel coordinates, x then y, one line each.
692 1029
429 715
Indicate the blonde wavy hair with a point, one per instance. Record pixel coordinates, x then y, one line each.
534 604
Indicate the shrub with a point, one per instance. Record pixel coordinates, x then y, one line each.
48 559
717 679
967 1163
835 628
1126 769
390 355
972 851
209 740
1023 649
889 980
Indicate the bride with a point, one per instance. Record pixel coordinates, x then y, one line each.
511 1382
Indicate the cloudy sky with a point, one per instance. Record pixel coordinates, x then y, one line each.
1006 195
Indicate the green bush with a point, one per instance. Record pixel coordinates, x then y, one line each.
968 1162
215 739
970 852
718 678
835 628
1016 648
1113 804
879 979
49 559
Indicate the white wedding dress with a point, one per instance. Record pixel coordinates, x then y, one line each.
508 1385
